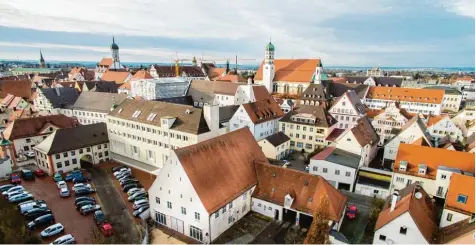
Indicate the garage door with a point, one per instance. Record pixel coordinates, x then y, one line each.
366 191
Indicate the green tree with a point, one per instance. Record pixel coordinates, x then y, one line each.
13 228
375 209
319 230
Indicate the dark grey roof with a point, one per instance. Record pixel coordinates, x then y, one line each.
336 89
388 81
182 100
96 101
227 112
67 139
105 87
60 97
314 92
358 80
277 139
344 158
324 119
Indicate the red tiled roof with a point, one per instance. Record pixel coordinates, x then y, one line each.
142 74
431 96
21 88
461 185
27 127
105 62
118 77
262 111
290 70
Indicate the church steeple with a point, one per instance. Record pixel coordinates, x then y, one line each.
116 65
42 60
268 68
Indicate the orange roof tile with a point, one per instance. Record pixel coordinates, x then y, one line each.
432 158
299 70
215 72
371 113
141 75
105 62
432 120
118 77
432 96
126 85
275 182
262 111
420 209
465 78
461 185
231 78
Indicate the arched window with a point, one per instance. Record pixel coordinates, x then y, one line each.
300 89
286 88
275 88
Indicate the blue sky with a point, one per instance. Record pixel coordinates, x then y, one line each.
351 32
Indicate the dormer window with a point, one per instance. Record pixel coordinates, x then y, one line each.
462 199
422 169
403 166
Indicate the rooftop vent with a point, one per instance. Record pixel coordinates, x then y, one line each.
274 174
188 111
418 195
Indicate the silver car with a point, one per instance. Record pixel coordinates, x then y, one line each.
52 230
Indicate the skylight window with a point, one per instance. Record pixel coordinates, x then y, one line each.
151 116
136 114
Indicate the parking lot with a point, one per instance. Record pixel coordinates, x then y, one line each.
63 208
296 159
354 229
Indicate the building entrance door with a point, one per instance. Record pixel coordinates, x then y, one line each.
176 224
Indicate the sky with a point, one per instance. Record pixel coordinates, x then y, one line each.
415 33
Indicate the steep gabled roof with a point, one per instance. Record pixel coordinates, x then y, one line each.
277 139
20 88
291 70
105 62
261 93
275 182
262 111
141 74
461 184
364 132
229 159
60 97
323 118
118 77
27 127
96 101
67 139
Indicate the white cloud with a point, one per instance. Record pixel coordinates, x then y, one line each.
460 7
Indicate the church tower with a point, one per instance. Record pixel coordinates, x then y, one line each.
319 74
116 65
268 67
42 61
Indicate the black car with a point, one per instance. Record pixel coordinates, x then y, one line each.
129 181
37 212
127 187
81 179
42 220
126 176
83 203
100 217
80 199
84 191
115 169
141 205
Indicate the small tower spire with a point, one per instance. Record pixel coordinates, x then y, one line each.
116 65
42 60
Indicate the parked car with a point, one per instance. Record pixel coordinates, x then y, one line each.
139 203
40 221
61 184
99 217
57 177
39 173
32 205
81 179
15 179
52 230
65 239
27 174
20 198
115 169
12 194
64 192
6 187
137 196
80 199
37 212
134 190
13 189
30 154
73 174
139 211
107 229
84 191
351 212
123 175
130 186
89 209
136 207
31 202
129 181
80 186
122 170
79 205
126 177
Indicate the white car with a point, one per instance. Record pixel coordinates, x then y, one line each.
80 185
66 239
13 189
30 153
52 230
64 192
122 170
134 190
61 184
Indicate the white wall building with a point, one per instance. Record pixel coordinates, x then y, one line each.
389 122
144 133
431 167
442 126
459 203
373 182
425 101
152 89
64 149
347 109
452 98
337 166
375 72
275 146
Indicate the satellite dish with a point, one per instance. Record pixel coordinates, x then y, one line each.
418 195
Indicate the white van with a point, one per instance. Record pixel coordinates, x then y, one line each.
66 239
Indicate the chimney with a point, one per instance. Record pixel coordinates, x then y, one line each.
211 114
394 200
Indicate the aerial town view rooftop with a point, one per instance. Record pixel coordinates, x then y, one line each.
249 122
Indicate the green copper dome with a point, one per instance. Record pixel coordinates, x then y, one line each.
114 45
270 47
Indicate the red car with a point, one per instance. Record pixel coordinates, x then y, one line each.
351 212
40 173
16 179
107 229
